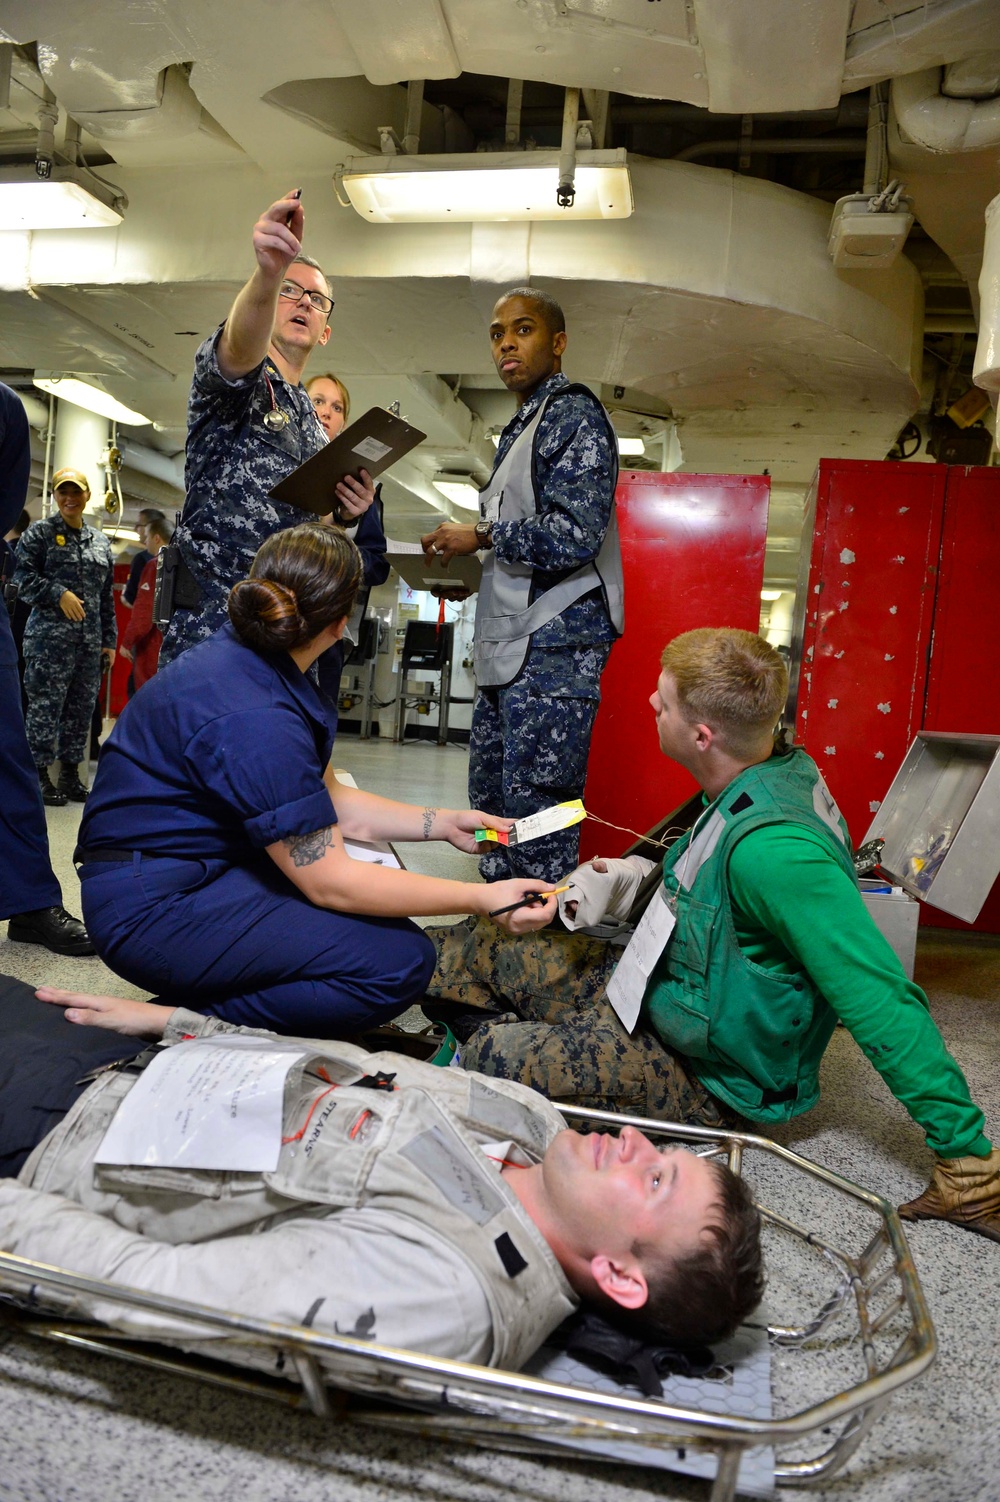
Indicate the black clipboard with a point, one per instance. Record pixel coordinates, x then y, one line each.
373 443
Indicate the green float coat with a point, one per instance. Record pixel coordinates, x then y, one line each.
773 943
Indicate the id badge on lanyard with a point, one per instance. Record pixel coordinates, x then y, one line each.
627 985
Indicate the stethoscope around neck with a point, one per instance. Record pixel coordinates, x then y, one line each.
274 420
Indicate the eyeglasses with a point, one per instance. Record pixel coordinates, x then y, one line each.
318 300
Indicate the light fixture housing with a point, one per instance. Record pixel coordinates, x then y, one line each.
70 388
631 448
861 240
69 199
771 594
459 491
484 186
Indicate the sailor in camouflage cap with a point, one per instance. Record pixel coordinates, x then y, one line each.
551 600
65 572
250 423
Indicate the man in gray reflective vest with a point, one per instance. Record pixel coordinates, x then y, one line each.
760 942
416 1206
551 600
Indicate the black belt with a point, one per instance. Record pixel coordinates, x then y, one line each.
133 1064
83 857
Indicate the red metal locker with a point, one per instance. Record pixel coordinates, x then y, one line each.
693 555
863 623
963 687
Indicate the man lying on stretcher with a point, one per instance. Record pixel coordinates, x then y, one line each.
418 1207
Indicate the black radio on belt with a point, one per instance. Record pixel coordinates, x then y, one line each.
176 587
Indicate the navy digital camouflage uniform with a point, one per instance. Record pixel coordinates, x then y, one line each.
62 658
530 740
232 462
27 881
545 1025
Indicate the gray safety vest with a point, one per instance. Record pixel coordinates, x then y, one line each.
506 616
414 1150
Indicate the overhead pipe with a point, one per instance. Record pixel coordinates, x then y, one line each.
166 467
929 119
986 366
852 112
566 191
512 125
35 410
949 323
45 150
877 140
775 146
414 110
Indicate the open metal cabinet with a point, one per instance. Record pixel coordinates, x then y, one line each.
898 590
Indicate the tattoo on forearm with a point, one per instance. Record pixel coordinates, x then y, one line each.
430 814
306 848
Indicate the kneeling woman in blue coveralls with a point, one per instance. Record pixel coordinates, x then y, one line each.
211 849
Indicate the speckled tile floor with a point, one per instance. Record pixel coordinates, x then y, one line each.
81 1428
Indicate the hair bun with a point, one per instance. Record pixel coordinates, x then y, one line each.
266 615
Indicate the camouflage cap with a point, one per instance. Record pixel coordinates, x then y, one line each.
69 476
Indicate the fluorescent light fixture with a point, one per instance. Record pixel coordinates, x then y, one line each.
460 492
123 534
631 448
91 398
771 594
467 188
69 199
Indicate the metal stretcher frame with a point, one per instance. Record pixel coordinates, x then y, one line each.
498 1409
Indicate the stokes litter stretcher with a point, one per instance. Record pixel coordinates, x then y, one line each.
791 1398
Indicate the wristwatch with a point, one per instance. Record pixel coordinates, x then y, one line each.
484 533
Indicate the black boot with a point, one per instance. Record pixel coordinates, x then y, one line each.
53 796
71 787
53 928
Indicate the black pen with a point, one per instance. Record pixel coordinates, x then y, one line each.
527 901
296 195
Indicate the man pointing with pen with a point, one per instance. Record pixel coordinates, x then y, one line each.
250 424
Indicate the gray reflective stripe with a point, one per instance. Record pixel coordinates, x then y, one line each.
505 621
701 849
444 1158
826 808
552 603
506 1117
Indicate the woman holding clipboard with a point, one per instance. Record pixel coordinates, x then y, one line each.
332 405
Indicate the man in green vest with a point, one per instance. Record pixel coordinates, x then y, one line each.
751 948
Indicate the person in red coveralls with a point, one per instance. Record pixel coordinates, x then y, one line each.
141 639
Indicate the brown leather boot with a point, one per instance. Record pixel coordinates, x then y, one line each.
965 1191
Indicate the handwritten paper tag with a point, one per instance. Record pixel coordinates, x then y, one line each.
207 1103
547 821
627 985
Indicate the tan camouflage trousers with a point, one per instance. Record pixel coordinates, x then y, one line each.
553 1032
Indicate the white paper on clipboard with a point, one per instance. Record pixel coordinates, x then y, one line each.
627 985
372 449
205 1103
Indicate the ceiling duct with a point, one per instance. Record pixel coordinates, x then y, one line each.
927 118
986 369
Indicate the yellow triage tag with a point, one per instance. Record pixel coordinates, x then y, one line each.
547 821
533 826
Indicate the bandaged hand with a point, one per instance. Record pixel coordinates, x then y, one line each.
965 1191
602 891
